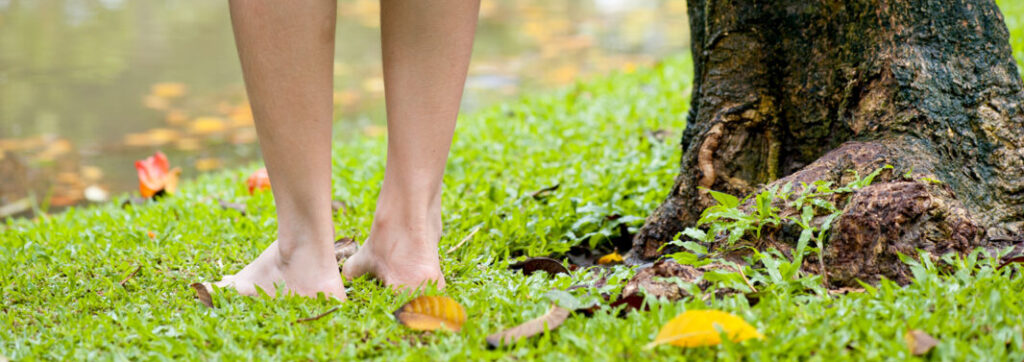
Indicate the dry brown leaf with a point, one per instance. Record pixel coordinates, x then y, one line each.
919 342
696 328
428 313
130 276
531 265
226 205
539 194
318 316
345 248
549 321
202 294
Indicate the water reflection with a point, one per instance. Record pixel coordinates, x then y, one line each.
89 86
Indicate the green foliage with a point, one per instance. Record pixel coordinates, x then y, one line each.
63 296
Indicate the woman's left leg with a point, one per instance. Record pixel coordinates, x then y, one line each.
426 46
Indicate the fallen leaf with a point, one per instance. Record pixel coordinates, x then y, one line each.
544 192
95 193
428 313
156 176
1012 260
919 342
130 276
657 280
696 328
232 206
133 201
344 248
207 125
258 180
168 90
845 291
318 316
531 265
202 294
464 240
547 322
631 303
208 164
339 206
613 258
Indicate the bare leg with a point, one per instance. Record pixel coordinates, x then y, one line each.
287 54
426 45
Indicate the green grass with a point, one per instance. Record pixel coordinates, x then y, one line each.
61 296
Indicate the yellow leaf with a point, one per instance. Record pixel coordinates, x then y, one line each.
168 90
428 313
207 125
209 163
696 328
612 258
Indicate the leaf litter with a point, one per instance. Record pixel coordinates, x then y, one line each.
429 313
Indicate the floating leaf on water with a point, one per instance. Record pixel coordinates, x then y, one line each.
168 89
241 116
207 125
155 175
258 180
547 322
919 342
95 193
176 117
429 313
202 294
613 258
531 265
92 173
208 164
696 328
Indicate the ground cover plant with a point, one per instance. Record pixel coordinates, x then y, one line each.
534 177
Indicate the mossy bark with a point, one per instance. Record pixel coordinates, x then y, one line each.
795 90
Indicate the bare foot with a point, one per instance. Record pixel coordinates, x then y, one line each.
402 255
304 272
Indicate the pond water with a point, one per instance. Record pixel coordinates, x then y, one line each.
89 86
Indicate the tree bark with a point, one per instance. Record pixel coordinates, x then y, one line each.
799 91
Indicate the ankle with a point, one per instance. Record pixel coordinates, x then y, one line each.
304 249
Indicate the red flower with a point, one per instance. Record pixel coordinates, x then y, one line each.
258 181
156 175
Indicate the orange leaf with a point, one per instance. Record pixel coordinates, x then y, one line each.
428 313
155 175
696 328
259 180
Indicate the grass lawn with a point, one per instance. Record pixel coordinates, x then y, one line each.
63 297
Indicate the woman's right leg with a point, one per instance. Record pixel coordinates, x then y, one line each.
287 53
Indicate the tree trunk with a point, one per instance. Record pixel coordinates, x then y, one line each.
798 91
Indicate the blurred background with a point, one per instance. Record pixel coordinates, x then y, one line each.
89 86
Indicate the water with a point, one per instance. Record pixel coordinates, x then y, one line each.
89 86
